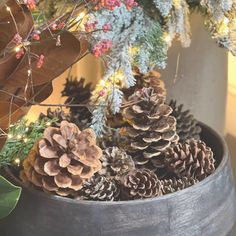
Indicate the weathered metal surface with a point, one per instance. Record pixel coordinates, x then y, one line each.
205 209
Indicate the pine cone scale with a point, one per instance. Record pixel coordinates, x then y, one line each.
52 167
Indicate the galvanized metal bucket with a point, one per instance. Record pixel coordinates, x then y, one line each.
205 209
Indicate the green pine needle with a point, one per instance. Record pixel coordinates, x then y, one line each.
21 138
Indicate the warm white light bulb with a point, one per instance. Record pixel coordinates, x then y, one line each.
17 161
48 123
102 82
82 15
17 49
167 39
8 8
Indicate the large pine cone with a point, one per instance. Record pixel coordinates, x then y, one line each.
139 184
193 159
77 92
174 185
58 115
63 159
99 188
116 162
151 128
187 126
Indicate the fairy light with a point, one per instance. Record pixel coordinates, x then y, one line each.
29 72
102 82
133 50
224 29
17 161
19 136
10 136
48 123
167 38
226 21
82 14
8 8
117 77
25 140
17 49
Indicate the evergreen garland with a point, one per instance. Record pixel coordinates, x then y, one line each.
21 138
152 49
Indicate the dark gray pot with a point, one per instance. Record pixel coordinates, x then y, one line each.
205 209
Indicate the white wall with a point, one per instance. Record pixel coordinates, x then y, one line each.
231 105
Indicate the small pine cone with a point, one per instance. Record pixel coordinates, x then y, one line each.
112 137
116 162
139 184
193 159
63 159
78 92
187 126
151 128
99 188
58 114
174 185
151 79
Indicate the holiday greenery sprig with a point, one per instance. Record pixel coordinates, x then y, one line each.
21 138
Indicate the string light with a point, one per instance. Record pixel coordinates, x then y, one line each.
102 82
25 140
117 77
133 50
82 14
167 38
48 124
17 49
224 29
17 161
29 72
19 136
8 8
10 136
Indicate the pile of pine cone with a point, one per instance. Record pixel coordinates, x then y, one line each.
155 151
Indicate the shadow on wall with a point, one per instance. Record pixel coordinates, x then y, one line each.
89 68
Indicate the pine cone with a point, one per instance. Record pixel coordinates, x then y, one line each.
77 92
99 188
116 162
139 184
174 185
151 79
112 137
193 159
63 159
187 127
58 114
151 129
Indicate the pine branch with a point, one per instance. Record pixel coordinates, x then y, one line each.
21 138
